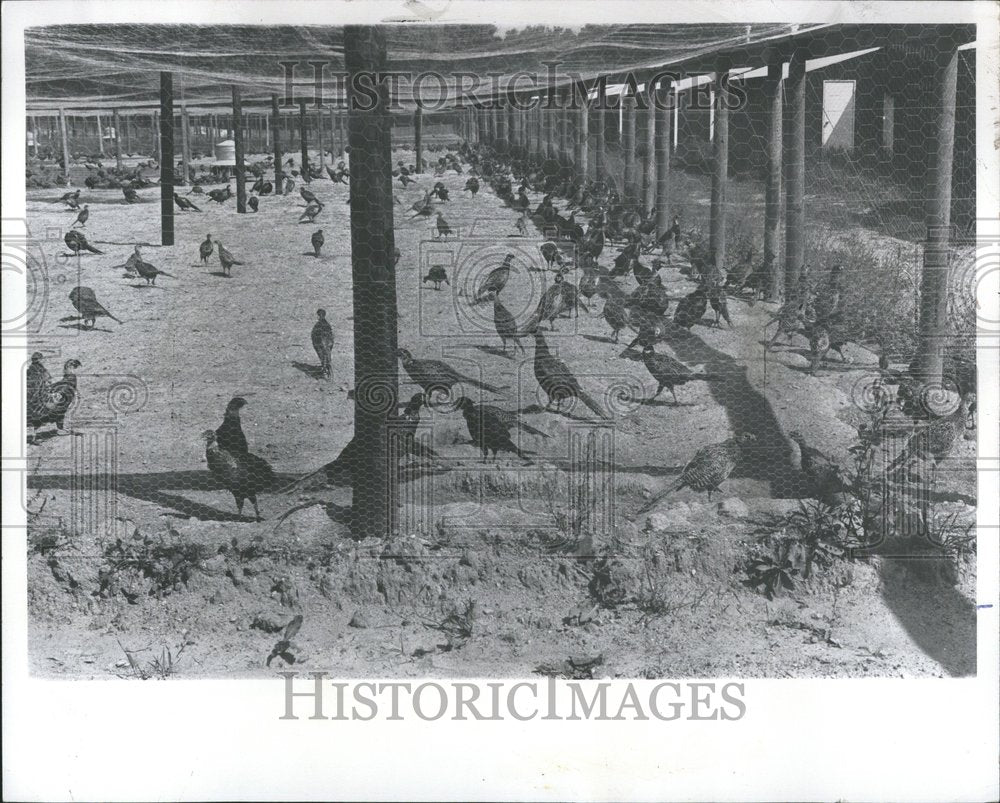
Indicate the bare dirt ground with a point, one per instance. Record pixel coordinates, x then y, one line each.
665 595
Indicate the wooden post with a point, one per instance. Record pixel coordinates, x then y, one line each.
628 148
166 158
566 136
934 329
583 139
185 145
772 189
662 155
34 135
128 134
795 172
241 170
100 135
65 142
600 147
304 139
118 142
376 379
513 121
888 122
720 174
156 136
418 146
649 182
276 128
320 139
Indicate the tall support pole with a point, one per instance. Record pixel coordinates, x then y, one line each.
279 179
100 135
304 140
772 188
628 149
720 173
600 146
551 132
267 132
566 136
241 169
418 137
934 330
185 145
649 182
34 135
156 135
128 135
376 379
118 142
65 143
583 139
795 172
320 139
166 158
513 127
663 116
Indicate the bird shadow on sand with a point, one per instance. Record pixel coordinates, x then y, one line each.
532 409
666 403
494 351
313 371
81 328
144 286
220 274
598 339
159 488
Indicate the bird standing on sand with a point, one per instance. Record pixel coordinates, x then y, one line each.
205 249
253 202
70 196
184 204
309 197
230 432
495 281
243 474
322 340
443 229
317 240
82 217
506 326
487 429
472 185
708 469
668 372
434 375
310 213
826 479
226 259
556 379
131 196
53 401
37 384
144 269
86 303
76 243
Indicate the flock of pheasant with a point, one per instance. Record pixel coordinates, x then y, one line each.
570 246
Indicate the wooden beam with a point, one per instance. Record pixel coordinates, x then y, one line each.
320 139
583 139
166 158
34 136
795 172
279 179
772 188
663 118
631 189
934 325
600 146
241 169
118 142
376 379
185 145
304 140
156 135
418 145
100 135
649 179
720 174
65 143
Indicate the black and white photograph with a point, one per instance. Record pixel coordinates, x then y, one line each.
448 347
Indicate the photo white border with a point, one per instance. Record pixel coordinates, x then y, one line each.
879 739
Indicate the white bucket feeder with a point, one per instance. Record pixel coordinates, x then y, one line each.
225 153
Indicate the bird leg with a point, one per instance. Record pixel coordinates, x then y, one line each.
674 394
256 509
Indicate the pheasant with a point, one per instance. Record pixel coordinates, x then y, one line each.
556 379
708 469
322 341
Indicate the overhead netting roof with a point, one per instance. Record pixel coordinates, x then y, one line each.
95 66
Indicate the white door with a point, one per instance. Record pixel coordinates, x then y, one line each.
838 114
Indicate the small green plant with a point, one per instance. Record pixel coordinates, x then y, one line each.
151 565
161 667
822 536
773 571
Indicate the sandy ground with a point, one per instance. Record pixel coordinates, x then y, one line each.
198 338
